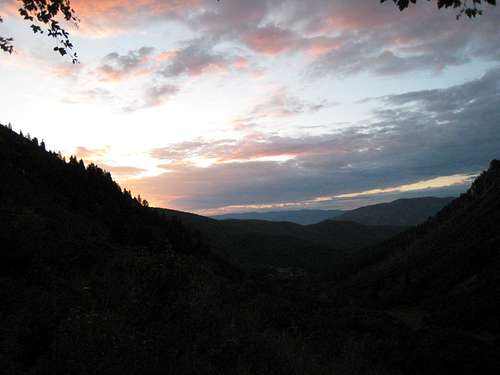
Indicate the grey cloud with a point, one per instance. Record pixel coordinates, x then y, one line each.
421 135
426 41
282 104
356 35
158 94
153 97
117 67
195 58
363 35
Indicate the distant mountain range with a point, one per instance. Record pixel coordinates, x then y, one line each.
404 212
303 217
399 212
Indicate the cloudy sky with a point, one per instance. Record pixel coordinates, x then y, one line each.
244 105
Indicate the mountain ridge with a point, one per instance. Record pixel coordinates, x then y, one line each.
258 243
404 211
303 217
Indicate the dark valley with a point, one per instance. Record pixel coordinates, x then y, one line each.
95 281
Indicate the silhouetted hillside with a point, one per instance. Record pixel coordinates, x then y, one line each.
256 243
303 217
405 212
447 267
37 184
92 281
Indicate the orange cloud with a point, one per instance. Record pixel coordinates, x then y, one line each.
102 18
321 46
91 155
65 71
434 183
167 56
241 63
111 75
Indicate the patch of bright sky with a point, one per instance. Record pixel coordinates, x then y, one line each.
34 100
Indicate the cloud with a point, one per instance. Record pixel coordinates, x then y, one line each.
347 37
436 186
273 40
103 18
385 43
342 37
195 59
116 67
282 104
70 71
83 95
121 171
91 154
249 148
154 96
418 136
99 155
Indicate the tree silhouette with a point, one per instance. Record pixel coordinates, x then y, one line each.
44 17
471 9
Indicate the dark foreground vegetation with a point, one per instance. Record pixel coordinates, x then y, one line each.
92 281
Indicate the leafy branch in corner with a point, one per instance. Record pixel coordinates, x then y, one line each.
471 8
43 16
6 43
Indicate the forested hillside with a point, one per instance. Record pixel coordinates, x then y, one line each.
406 212
303 217
92 281
448 265
254 244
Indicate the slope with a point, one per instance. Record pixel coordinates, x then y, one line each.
256 243
447 266
406 212
303 217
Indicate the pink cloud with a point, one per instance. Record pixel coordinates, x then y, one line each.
103 18
241 63
270 40
117 67
282 104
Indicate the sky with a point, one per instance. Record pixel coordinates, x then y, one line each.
238 105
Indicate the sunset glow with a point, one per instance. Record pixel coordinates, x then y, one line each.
241 105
